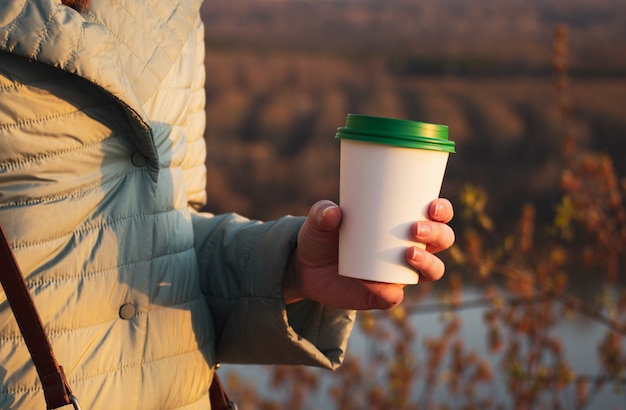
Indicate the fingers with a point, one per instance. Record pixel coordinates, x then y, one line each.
358 294
428 265
383 295
441 210
436 236
316 258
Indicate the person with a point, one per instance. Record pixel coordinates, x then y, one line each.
101 185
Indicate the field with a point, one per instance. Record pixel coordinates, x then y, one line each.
282 75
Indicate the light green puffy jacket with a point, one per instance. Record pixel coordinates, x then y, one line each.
101 175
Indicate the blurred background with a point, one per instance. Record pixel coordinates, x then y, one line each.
283 74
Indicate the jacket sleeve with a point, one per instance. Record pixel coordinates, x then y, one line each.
242 263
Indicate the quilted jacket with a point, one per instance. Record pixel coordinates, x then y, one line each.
102 176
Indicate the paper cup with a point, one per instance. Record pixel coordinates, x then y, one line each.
391 170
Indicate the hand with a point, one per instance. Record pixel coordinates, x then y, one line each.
312 268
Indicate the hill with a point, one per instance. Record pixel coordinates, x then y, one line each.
483 33
282 75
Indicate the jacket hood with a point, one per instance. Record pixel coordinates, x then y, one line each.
87 44
49 32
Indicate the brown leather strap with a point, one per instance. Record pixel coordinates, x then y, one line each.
218 396
57 391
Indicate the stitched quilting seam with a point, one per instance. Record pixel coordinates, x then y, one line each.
195 349
106 270
44 34
53 333
124 43
17 337
14 24
51 117
155 40
72 194
90 227
60 331
121 368
165 19
73 53
13 165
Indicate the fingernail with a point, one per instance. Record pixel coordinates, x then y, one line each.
322 215
325 211
438 210
423 229
416 254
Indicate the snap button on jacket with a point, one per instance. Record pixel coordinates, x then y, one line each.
138 159
128 311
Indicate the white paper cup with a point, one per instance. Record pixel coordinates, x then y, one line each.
391 170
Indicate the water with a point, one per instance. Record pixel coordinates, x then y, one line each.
580 335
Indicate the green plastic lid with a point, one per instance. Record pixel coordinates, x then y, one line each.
396 132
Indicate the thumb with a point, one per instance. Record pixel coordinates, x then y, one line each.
325 215
319 236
